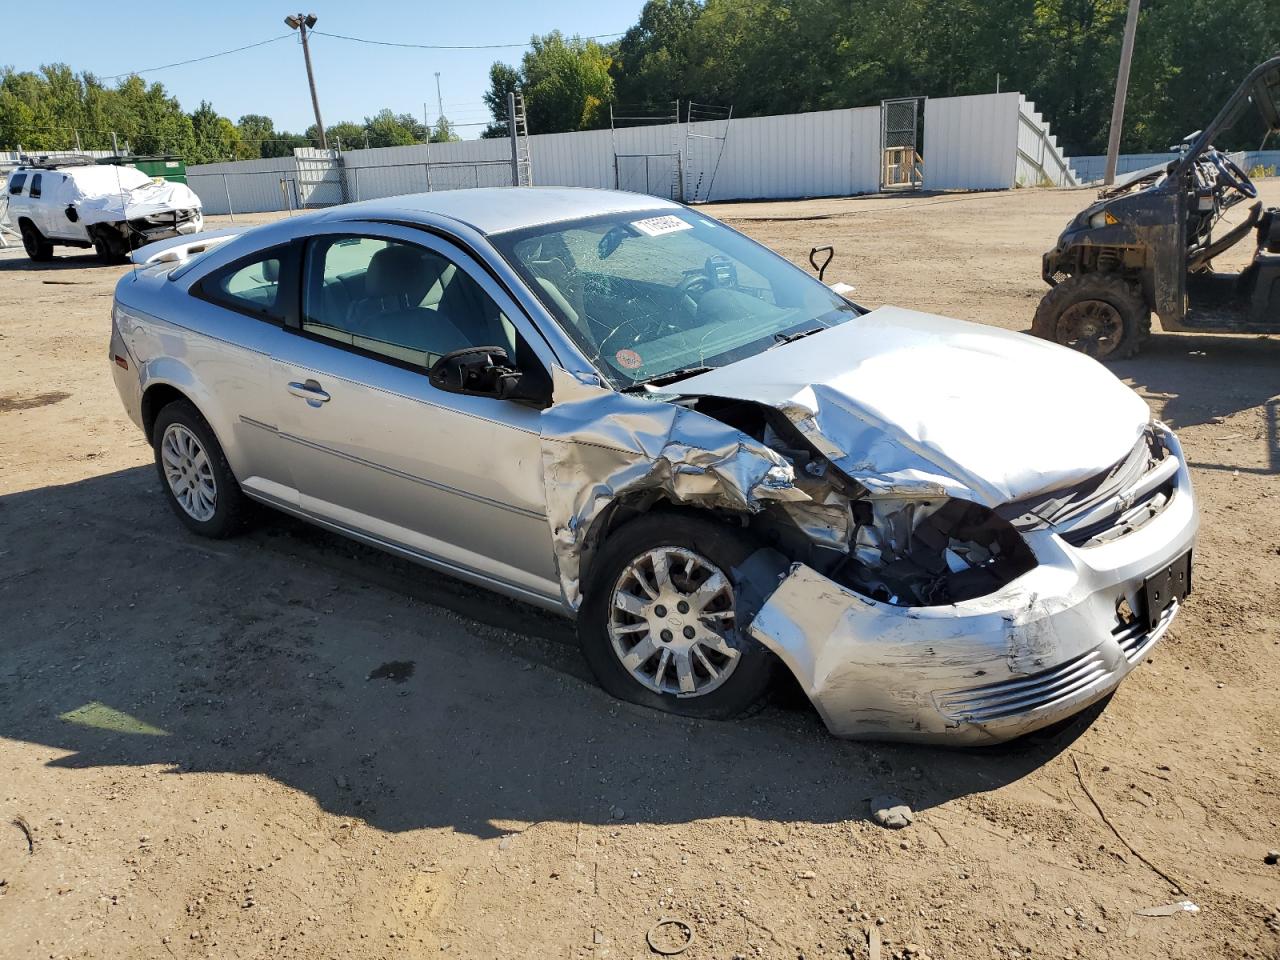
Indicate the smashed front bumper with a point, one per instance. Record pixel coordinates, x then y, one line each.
1039 650
163 226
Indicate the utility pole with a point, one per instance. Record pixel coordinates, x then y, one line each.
1122 91
439 99
301 22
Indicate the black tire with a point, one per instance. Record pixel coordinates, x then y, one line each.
230 506
746 685
1064 307
109 250
34 242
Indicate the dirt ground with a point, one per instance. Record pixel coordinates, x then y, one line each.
195 763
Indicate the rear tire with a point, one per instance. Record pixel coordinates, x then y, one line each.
195 475
34 242
686 652
1099 314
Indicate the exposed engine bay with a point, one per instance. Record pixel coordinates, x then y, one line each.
908 551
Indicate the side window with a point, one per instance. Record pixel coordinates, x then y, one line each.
398 300
35 185
250 287
15 184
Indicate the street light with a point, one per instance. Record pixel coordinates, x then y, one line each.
302 22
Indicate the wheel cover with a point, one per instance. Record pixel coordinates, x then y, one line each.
1094 327
189 472
671 622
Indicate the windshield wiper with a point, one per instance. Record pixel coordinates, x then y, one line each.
780 338
662 379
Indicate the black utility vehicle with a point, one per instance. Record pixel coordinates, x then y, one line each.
1147 246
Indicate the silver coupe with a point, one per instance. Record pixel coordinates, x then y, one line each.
618 408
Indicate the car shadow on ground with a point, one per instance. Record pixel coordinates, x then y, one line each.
384 691
20 262
1196 379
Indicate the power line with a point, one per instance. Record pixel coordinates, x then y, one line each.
183 63
438 46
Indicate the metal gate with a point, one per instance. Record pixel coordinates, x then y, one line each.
901 163
657 174
320 181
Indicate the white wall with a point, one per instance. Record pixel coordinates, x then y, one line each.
969 143
252 186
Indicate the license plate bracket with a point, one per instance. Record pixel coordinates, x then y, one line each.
1161 589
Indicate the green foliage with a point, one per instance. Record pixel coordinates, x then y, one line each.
783 56
503 80
566 83
442 132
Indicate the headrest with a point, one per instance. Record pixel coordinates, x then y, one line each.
401 271
271 270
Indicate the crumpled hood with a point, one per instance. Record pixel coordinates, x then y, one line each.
139 201
920 404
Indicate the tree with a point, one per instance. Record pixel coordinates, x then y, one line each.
503 79
216 137
442 132
350 135
385 129
566 84
652 66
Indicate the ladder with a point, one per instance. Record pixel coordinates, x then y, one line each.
524 160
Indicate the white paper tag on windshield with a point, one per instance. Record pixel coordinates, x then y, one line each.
657 226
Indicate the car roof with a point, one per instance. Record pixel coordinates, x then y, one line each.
493 210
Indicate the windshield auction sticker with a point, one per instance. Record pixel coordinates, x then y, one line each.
657 226
629 359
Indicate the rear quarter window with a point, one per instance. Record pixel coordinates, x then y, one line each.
16 182
251 285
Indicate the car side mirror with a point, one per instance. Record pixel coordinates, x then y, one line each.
487 372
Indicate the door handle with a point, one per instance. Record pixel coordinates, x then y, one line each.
309 391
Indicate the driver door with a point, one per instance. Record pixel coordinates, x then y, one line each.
373 447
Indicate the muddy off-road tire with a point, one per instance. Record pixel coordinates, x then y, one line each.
34 242
194 473
1099 314
641 629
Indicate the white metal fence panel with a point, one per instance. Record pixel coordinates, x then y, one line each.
971 143
968 143
1089 169
244 186
1040 163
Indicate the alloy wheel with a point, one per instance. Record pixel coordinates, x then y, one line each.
1094 327
671 617
189 472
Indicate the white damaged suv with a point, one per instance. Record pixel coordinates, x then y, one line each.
111 207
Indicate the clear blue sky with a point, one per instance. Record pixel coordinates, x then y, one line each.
354 80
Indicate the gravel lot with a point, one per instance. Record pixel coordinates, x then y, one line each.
193 762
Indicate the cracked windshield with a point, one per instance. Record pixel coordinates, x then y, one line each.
652 297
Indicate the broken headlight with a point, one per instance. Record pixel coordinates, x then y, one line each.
931 552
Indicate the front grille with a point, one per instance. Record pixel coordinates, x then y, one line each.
1008 698
1135 638
1125 521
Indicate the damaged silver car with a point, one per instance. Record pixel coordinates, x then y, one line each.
618 408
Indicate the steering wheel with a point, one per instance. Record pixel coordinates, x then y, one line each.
694 284
1230 175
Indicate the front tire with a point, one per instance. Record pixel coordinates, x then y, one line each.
1098 314
658 624
195 475
112 251
34 242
